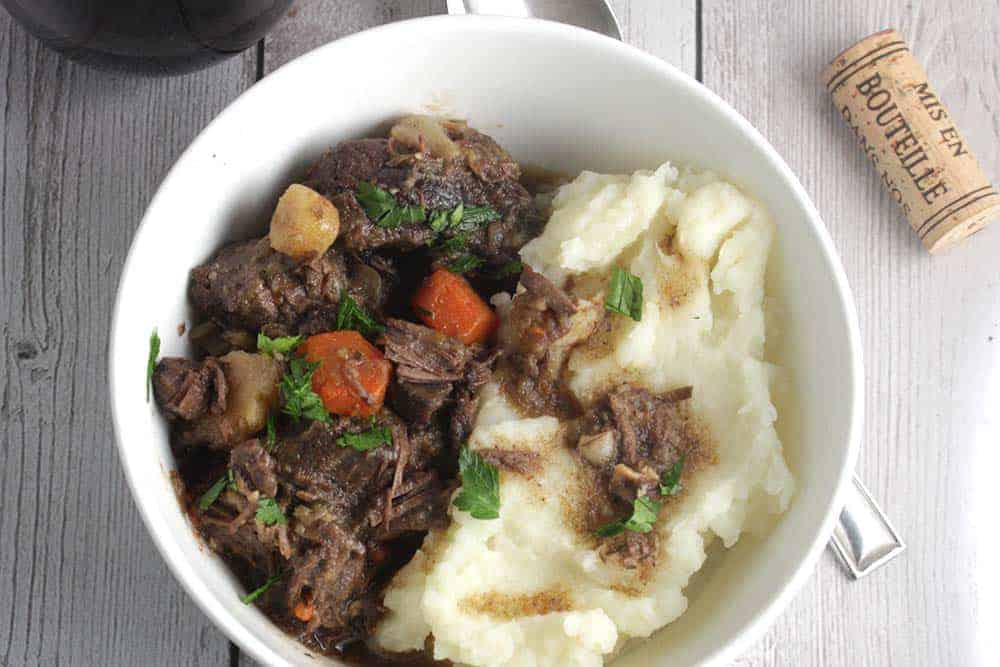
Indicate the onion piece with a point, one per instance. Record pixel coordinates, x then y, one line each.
425 134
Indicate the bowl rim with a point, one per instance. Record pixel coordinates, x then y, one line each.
780 597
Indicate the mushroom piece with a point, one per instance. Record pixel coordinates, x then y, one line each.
598 449
305 224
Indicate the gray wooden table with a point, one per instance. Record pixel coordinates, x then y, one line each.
83 151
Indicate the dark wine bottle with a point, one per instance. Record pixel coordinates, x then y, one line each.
153 37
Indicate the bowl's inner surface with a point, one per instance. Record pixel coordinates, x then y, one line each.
554 97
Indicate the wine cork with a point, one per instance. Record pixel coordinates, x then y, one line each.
909 135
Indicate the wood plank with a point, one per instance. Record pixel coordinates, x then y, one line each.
665 29
931 326
312 23
82 153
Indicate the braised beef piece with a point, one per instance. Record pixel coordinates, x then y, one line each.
631 549
249 286
432 369
229 524
351 502
481 174
344 511
545 325
188 390
635 436
463 413
423 355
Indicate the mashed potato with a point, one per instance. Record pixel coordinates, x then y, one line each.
532 588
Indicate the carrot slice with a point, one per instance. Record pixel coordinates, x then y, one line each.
447 303
352 376
303 611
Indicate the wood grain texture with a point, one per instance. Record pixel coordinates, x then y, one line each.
930 325
665 29
82 152
312 23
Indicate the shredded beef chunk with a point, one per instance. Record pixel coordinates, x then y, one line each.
477 172
250 286
187 389
425 356
350 502
546 324
431 369
635 436
220 401
229 524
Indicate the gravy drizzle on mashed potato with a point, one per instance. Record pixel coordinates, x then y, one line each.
534 587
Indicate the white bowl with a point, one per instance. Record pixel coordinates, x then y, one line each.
556 97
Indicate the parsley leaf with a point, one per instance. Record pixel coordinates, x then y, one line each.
480 493
670 482
367 440
456 243
376 201
297 392
464 264
154 352
462 218
269 512
280 345
644 511
214 491
402 215
511 268
625 295
443 219
257 592
272 434
475 216
383 209
352 316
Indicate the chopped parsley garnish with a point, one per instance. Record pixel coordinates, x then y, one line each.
297 392
280 345
214 491
462 218
644 511
367 440
257 592
670 482
272 434
475 216
464 264
441 220
352 316
456 243
480 493
154 352
511 268
383 209
269 512
401 215
625 295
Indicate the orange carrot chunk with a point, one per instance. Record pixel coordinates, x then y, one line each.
352 376
447 303
304 611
